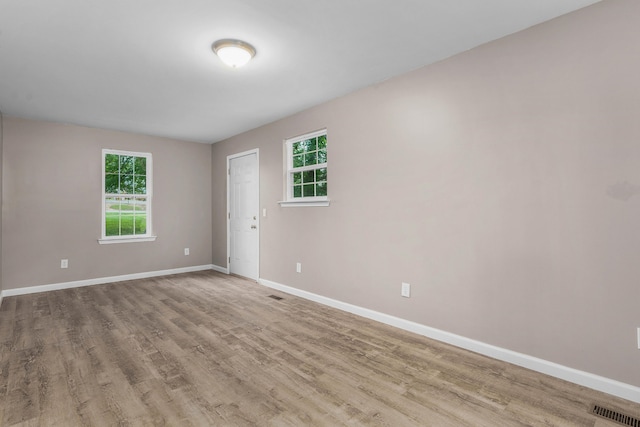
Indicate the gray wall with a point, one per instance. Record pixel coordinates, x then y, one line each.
502 183
52 204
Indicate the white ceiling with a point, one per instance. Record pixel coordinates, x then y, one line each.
146 66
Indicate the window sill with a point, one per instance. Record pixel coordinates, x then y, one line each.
108 241
303 203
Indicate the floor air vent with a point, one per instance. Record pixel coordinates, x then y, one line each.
275 297
616 416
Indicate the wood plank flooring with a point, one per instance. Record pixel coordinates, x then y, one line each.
206 349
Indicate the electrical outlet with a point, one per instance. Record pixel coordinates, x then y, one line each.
406 290
64 263
186 251
298 267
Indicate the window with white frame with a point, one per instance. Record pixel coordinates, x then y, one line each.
307 169
126 196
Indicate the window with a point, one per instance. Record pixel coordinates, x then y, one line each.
307 170
126 196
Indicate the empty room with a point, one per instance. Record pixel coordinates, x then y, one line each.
320 213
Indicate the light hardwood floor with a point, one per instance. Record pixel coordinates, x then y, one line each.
205 349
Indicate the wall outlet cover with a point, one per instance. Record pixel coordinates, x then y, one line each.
406 290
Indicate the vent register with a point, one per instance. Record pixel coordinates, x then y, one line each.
619 417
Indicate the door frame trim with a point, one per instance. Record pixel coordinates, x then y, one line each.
230 157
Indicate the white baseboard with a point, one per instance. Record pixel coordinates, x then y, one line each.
102 280
586 379
219 269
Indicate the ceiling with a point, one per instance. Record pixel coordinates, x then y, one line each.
146 66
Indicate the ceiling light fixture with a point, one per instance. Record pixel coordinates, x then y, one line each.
234 53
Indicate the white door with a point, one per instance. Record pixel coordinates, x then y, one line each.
243 206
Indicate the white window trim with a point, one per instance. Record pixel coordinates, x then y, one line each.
290 201
303 203
149 236
119 239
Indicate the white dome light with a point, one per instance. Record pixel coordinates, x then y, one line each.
234 53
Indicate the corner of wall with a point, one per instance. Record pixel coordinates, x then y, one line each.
1 198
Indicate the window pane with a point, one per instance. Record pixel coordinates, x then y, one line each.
140 184
111 163
140 166
309 190
127 206
111 184
297 191
297 178
112 217
321 174
141 205
298 161
140 219
310 159
112 224
322 156
310 144
141 224
321 189
126 165
112 204
309 176
126 223
322 142
126 184
298 148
